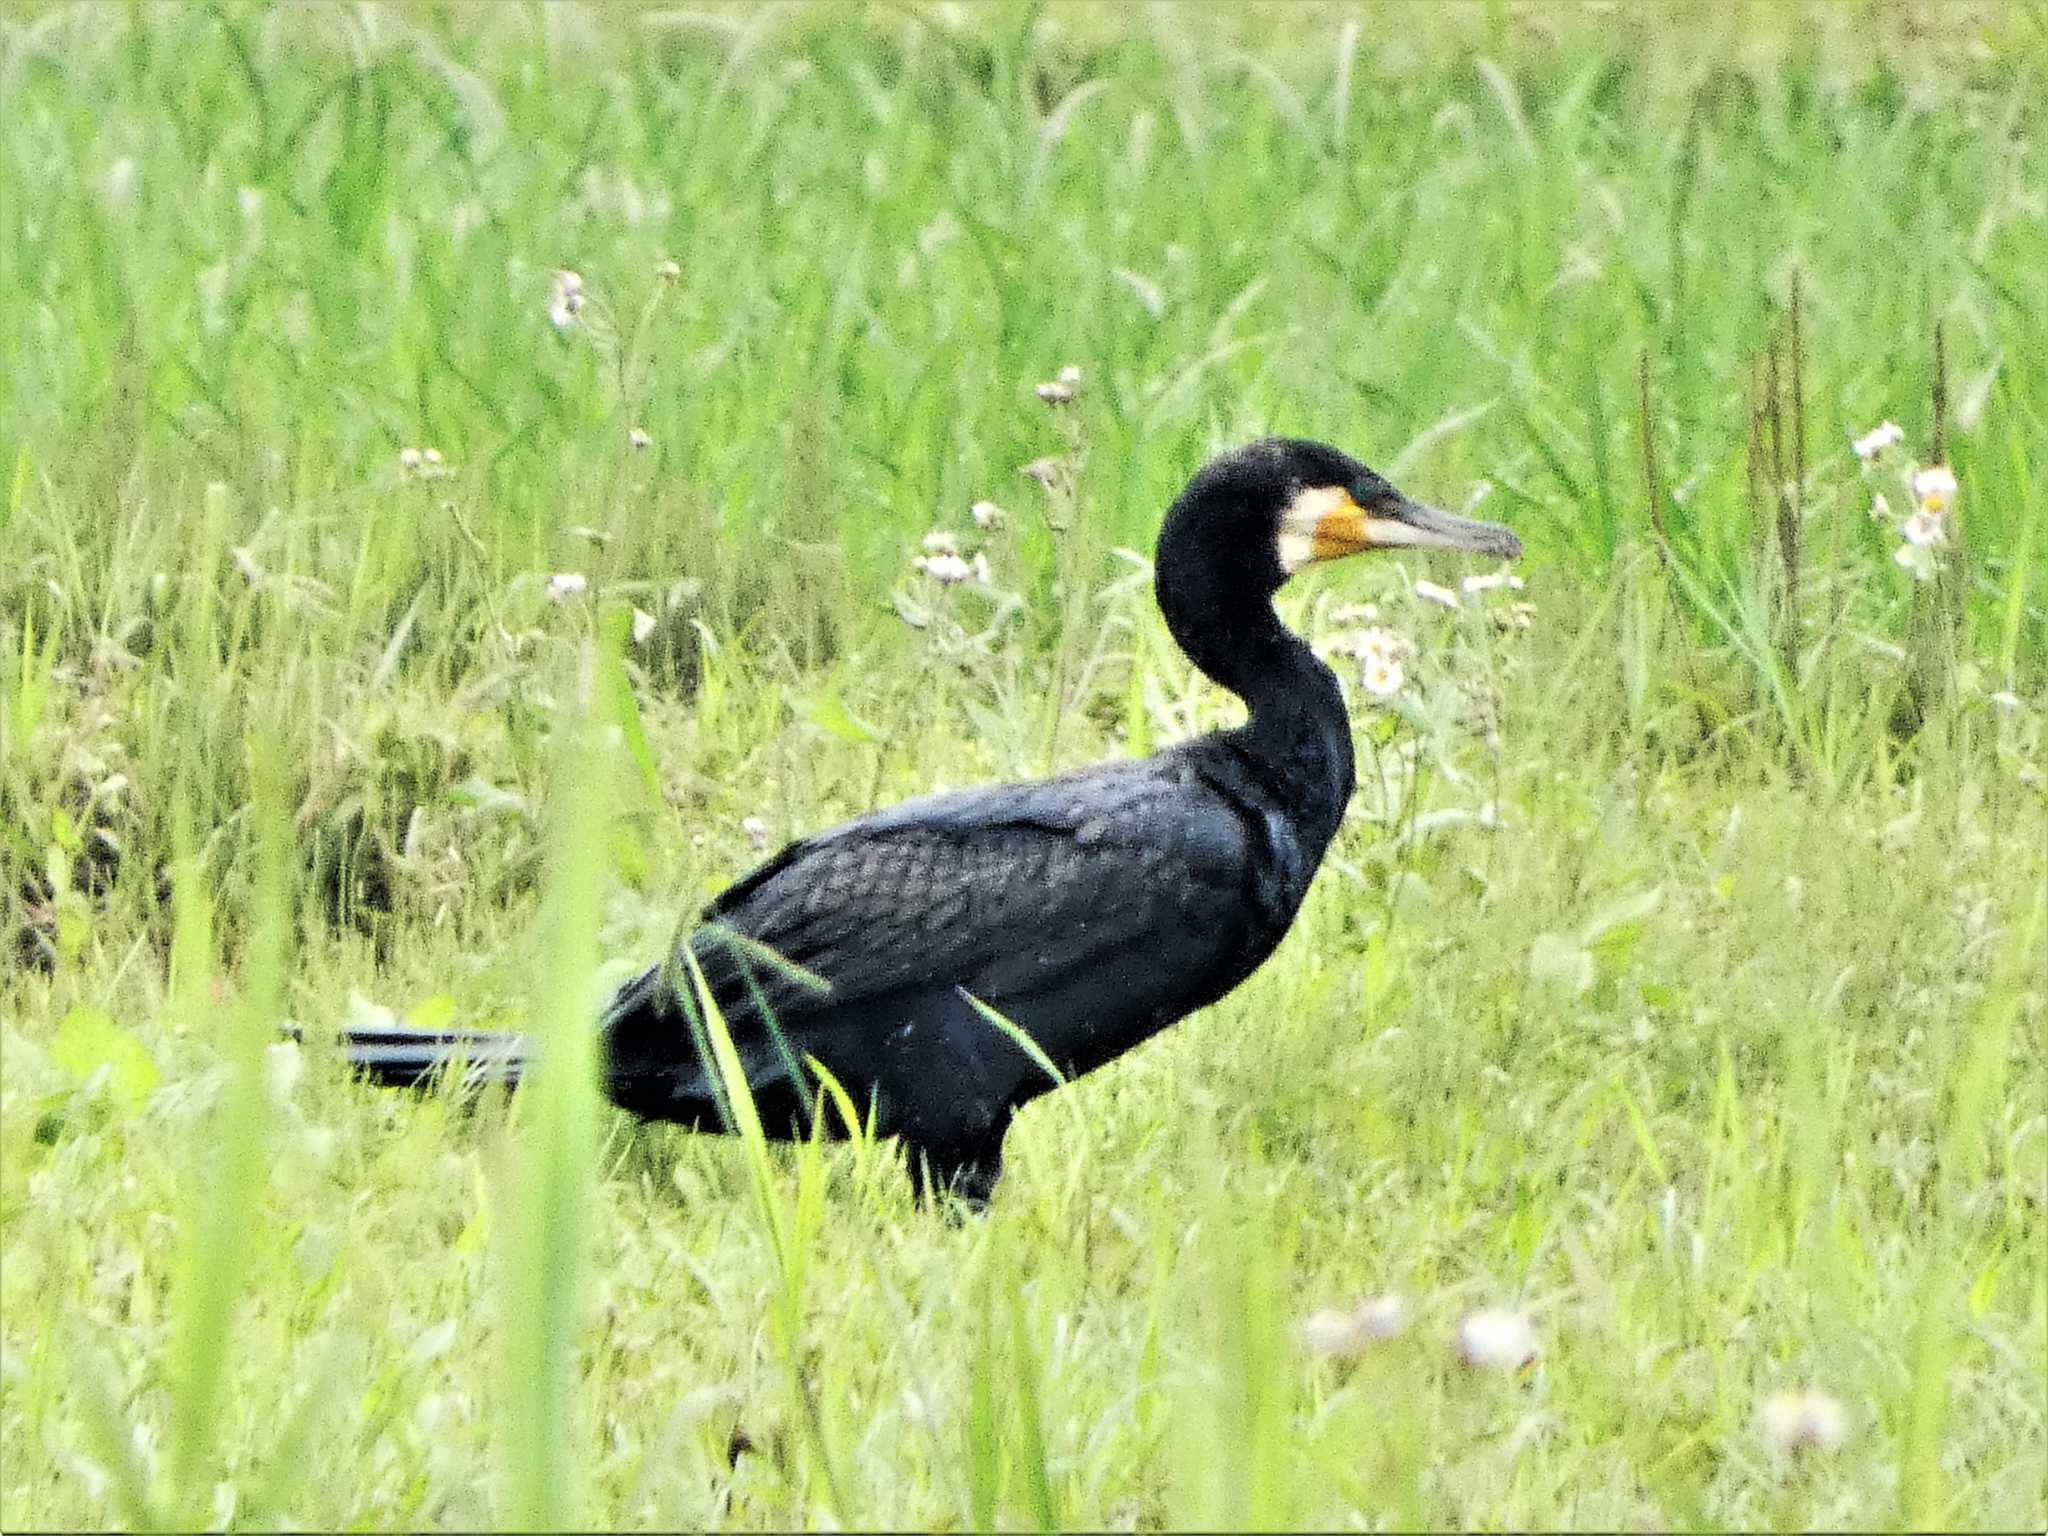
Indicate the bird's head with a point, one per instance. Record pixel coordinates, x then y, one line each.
1253 517
1287 503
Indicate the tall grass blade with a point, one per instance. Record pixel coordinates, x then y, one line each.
230 1171
545 1253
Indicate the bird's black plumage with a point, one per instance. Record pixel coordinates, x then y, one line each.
1090 910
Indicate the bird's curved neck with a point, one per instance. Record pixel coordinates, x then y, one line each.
1298 739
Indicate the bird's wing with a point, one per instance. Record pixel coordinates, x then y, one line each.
1007 892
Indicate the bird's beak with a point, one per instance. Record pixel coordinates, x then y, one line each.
1394 522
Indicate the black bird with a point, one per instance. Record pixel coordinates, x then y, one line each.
1089 910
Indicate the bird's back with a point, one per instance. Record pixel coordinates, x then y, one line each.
1090 910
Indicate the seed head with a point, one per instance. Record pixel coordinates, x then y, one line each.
986 514
669 272
564 585
643 626
756 831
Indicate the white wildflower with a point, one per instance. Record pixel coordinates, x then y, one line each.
564 585
589 535
981 567
121 181
940 542
1430 592
1924 529
669 272
1493 581
1802 1421
566 302
947 570
756 831
2006 700
1496 1339
1376 644
1355 613
639 439
643 626
986 514
1338 1334
422 463
1062 388
1328 1332
1382 1317
1916 559
1880 509
1934 488
1381 676
1871 445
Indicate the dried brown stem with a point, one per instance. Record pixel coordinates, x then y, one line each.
1788 486
1937 442
1653 478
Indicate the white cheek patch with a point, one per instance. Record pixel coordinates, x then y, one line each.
1296 542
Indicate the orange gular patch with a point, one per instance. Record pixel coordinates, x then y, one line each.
1321 523
1343 530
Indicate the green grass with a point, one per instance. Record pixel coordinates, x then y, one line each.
1713 1046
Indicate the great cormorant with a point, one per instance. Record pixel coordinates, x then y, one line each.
1089 910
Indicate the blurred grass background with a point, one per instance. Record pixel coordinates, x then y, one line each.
1678 981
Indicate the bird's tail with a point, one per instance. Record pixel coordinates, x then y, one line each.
412 1058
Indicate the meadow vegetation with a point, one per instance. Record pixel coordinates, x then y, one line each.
386 632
